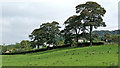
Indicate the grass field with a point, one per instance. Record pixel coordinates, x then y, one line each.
105 55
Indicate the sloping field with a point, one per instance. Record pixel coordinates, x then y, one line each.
104 55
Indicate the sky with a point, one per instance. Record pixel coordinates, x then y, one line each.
20 17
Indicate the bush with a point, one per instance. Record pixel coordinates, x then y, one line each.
74 44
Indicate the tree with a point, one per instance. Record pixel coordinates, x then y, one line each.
106 37
83 34
95 36
48 32
17 45
52 32
37 37
67 36
25 44
91 13
73 27
4 49
115 38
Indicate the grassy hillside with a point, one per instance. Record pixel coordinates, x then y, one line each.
105 55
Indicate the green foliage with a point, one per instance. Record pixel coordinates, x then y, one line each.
48 32
95 36
107 36
102 32
110 38
67 36
4 49
25 45
115 38
74 44
90 17
91 13
14 50
73 26
60 41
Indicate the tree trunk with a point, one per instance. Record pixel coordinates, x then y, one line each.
84 36
77 40
91 27
76 36
38 46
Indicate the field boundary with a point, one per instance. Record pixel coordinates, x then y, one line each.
55 47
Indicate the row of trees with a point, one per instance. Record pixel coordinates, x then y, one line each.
47 33
110 38
89 16
24 45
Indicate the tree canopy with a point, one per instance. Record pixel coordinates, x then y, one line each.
91 13
73 27
48 32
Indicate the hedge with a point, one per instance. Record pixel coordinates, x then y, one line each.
49 48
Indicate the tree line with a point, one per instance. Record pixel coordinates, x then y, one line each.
88 16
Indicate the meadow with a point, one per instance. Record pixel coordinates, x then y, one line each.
103 55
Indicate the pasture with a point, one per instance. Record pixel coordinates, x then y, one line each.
104 55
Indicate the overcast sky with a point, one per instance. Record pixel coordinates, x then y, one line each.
20 17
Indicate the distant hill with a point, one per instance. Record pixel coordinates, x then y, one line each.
102 32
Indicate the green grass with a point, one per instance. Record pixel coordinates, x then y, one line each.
81 56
